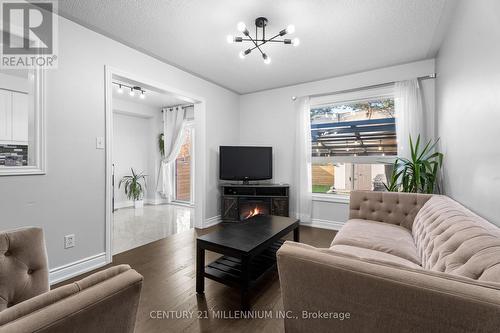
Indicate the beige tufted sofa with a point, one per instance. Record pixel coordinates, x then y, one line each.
106 301
402 263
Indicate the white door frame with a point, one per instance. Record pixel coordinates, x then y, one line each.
200 148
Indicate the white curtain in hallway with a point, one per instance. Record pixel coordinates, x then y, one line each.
174 121
410 115
303 181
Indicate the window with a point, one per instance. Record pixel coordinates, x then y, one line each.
183 168
353 141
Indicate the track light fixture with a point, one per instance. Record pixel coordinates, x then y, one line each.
133 90
258 42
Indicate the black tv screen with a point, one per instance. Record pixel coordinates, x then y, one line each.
245 163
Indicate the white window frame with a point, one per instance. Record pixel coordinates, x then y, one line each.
344 98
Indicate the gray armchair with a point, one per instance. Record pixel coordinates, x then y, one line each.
106 301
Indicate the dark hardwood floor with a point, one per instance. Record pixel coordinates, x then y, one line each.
168 267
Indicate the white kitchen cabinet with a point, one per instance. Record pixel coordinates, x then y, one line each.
5 115
19 117
13 117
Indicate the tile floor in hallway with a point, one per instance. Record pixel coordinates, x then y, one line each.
136 227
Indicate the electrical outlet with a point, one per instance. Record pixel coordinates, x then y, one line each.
69 241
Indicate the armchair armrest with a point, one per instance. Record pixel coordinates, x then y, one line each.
106 301
379 297
389 207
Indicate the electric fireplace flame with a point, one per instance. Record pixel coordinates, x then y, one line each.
254 212
253 208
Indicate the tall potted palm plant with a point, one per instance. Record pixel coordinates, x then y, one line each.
134 186
419 173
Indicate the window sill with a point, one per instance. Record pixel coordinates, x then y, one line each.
338 198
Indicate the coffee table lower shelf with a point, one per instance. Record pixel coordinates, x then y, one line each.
248 252
228 270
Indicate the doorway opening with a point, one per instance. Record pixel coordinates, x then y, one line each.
138 154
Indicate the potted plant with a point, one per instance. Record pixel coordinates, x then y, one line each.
419 173
134 187
161 144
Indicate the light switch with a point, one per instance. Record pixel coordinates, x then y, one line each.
99 142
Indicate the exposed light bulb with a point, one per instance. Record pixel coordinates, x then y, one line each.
379 148
241 26
295 42
142 95
131 93
290 29
267 59
241 55
120 89
230 39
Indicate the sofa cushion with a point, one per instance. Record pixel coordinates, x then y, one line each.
373 255
378 236
388 207
452 239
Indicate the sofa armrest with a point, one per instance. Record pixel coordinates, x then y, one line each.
378 297
389 207
106 301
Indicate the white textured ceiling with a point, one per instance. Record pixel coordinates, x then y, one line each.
337 36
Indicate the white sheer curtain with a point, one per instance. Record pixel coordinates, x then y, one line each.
410 115
303 181
174 121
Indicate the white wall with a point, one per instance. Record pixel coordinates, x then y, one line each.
136 127
468 104
267 118
131 149
70 198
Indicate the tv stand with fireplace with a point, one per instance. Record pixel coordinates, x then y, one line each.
242 201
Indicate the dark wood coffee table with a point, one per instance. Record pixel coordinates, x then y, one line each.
249 252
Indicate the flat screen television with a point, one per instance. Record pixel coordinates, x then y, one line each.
245 163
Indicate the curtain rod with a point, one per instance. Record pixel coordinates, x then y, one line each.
182 106
380 85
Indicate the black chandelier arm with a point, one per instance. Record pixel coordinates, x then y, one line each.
263 40
272 39
253 48
257 46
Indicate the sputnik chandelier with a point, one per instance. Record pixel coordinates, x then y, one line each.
261 23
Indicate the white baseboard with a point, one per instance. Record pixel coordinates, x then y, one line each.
130 203
212 221
155 201
73 269
324 224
